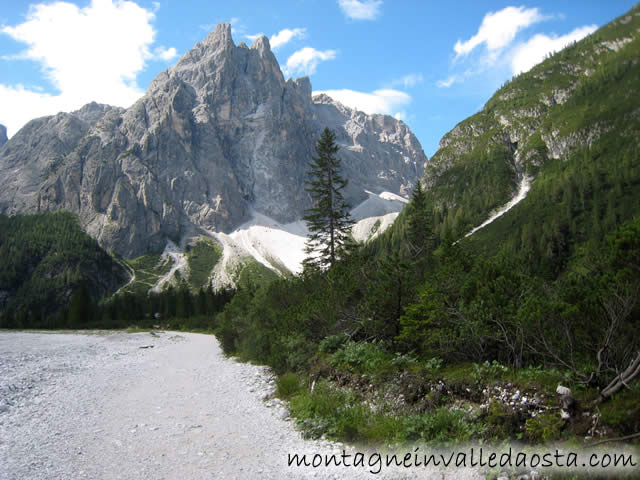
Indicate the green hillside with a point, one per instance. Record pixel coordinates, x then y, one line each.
572 124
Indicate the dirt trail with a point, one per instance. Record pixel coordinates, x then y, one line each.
99 406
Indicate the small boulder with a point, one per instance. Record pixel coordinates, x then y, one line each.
567 406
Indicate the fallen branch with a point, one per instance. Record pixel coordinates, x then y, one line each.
621 380
618 439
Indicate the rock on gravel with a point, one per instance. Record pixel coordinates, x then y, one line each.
97 406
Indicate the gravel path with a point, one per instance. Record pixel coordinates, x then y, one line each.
100 406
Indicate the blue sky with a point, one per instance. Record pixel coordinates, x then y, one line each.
429 63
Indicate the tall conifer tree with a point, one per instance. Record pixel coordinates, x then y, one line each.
420 220
328 219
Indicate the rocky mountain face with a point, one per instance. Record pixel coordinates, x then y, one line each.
216 137
3 135
562 106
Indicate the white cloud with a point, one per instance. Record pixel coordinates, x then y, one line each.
361 9
305 61
409 81
91 53
387 101
20 104
493 50
534 50
448 82
253 38
498 29
281 38
285 36
237 27
165 54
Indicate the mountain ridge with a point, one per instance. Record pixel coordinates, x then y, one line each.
217 136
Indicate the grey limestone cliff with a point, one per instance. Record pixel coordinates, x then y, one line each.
3 135
215 137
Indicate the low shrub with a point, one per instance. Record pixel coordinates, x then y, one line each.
328 411
440 426
501 421
544 427
287 385
332 343
361 357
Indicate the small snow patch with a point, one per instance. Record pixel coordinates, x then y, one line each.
525 185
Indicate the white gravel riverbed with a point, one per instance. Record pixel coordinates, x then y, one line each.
99 406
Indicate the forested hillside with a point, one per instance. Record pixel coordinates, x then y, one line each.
44 260
53 275
570 123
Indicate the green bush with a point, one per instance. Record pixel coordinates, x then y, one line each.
433 364
340 414
483 372
501 421
293 353
440 426
332 343
361 357
329 411
287 385
623 410
404 360
544 427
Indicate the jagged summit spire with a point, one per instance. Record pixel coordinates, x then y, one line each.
261 44
220 36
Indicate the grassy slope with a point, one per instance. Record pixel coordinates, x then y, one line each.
148 269
202 258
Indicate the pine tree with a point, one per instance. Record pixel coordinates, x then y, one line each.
420 220
328 219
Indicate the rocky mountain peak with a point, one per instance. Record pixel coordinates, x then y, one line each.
303 86
92 112
323 99
220 37
261 44
217 137
216 69
3 135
